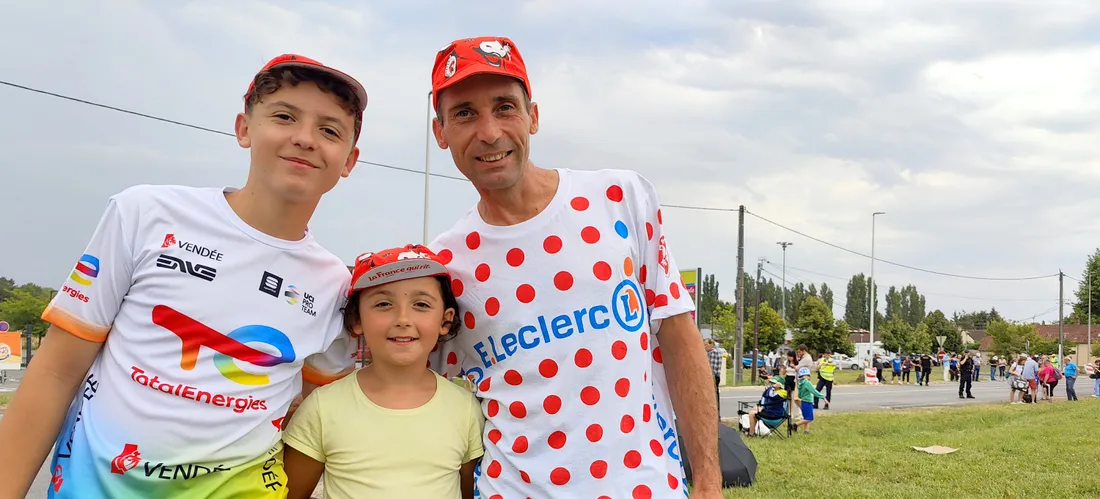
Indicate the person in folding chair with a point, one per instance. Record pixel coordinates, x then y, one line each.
772 407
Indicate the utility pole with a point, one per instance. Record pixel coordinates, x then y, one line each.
756 320
427 170
739 337
872 285
1061 319
1088 353
784 244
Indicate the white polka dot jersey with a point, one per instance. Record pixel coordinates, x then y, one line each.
559 317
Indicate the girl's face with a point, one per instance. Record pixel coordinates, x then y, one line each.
402 321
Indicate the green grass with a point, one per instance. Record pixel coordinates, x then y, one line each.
5 399
1005 451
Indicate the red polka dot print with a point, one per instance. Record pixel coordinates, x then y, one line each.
647 411
515 257
583 358
660 219
579 203
552 244
481 273
660 301
626 424
496 496
657 448
493 408
628 267
594 432
517 410
673 482
622 387
519 446
644 340
602 271
590 395
452 358
468 319
473 240
513 377
484 386
590 235
492 306
445 256
641 492
493 470
551 404
631 460
563 280
657 355
642 274
650 297
560 476
618 349
556 440
598 469
548 368
649 232
456 287
523 475
615 193
525 293
674 290
494 435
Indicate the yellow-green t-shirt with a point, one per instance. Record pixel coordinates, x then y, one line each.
372 451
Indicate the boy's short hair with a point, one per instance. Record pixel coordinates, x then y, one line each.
351 310
270 81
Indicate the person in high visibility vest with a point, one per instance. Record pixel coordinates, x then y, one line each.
826 373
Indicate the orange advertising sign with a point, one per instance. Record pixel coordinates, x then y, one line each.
11 351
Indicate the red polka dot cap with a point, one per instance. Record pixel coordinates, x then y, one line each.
395 264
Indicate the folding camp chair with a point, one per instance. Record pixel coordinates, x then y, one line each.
781 427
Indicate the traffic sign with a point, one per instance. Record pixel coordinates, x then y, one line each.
940 340
3 326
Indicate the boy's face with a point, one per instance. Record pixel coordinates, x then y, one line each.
402 321
301 142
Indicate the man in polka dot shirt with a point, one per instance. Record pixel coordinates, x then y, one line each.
576 329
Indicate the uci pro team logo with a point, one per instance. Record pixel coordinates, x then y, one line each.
626 306
228 348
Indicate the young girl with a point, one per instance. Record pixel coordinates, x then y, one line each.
393 428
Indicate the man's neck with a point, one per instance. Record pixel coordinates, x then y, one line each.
522 201
267 214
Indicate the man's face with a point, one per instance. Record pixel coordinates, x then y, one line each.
485 123
301 141
709 346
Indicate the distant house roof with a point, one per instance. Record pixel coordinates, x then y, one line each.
976 334
1076 333
859 336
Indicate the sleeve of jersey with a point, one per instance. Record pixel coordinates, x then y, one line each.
338 358
89 299
664 291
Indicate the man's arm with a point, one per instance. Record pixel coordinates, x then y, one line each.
689 383
34 419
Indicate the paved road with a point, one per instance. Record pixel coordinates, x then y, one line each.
850 398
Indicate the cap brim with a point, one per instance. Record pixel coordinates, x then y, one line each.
346 78
473 70
398 271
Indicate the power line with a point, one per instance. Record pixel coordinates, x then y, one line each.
227 134
910 267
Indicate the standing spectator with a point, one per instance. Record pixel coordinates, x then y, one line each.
877 364
966 370
925 368
895 371
1070 372
906 366
993 369
1048 376
1031 375
977 358
807 396
715 353
826 373
954 367
1016 382
1096 378
790 367
1002 365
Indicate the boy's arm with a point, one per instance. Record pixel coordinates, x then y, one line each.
466 475
34 419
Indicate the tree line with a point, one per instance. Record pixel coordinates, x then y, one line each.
22 305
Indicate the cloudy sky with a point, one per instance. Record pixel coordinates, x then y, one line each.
972 124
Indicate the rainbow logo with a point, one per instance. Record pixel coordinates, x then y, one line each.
87 268
291 295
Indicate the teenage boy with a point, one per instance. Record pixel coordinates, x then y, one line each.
183 334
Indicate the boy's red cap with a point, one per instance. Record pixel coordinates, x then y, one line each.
395 264
305 62
470 56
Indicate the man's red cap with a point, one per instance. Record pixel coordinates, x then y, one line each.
395 264
470 56
305 62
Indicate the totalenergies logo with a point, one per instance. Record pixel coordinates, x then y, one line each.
228 348
87 268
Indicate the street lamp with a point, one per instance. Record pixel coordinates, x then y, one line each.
784 244
872 285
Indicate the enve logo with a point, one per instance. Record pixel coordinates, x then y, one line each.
227 347
88 266
626 306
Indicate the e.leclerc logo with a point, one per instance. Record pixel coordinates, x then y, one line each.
625 308
227 347
87 268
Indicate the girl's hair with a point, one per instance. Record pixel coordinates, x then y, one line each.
351 310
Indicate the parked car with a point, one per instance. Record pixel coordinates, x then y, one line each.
846 362
761 360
